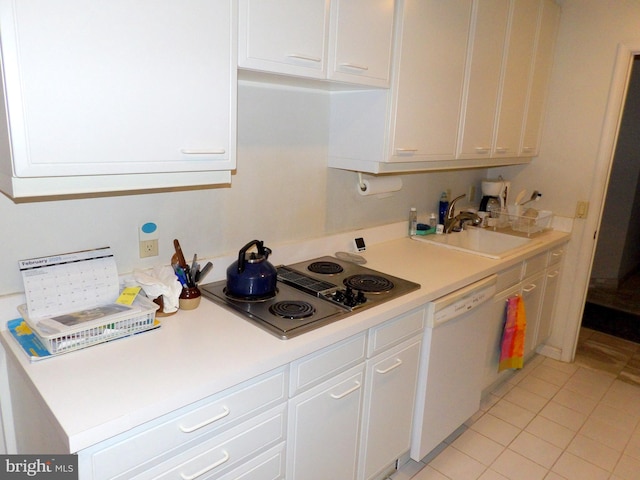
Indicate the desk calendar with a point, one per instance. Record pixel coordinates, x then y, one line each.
70 282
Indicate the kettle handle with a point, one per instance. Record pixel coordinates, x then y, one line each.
243 251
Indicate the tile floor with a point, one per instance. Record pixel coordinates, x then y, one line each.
550 421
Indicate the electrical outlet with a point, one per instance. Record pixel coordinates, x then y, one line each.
582 209
148 240
149 248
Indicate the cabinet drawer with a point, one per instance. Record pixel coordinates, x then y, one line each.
319 366
395 331
556 255
535 264
205 417
268 466
222 452
509 277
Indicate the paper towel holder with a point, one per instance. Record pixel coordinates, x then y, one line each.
379 187
361 185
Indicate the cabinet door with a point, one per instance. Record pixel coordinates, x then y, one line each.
545 44
119 87
548 302
360 41
532 290
430 73
482 80
515 77
495 327
284 36
322 440
388 413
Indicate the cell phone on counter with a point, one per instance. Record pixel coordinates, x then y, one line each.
359 244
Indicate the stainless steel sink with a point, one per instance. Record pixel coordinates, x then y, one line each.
480 241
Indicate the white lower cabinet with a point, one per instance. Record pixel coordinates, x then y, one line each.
357 422
323 429
388 412
536 279
211 436
268 466
532 290
343 412
211 457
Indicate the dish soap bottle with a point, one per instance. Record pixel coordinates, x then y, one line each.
442 207
413 221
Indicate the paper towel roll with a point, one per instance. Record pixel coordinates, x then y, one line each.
378 185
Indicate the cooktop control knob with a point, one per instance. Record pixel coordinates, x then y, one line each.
360 298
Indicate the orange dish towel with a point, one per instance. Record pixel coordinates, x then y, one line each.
512 346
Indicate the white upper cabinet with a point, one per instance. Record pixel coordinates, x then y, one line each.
284 36
360 41
517 70
427 90
468 89
545 46
482 80
343 40
118 95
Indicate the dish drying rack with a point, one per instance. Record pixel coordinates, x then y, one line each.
529 222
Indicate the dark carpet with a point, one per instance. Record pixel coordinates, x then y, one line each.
614 322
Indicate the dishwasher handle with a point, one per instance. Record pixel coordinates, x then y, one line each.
461 301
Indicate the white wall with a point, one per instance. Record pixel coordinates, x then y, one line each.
571 165
282 191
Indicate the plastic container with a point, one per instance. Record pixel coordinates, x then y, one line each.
413 221
442 207
433 220
99 331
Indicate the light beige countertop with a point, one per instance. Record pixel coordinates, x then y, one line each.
105 390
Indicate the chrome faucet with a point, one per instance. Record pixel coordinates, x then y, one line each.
461 219
449 218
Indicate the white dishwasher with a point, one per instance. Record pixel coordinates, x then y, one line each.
451 364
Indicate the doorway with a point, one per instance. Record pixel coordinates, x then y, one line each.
613 299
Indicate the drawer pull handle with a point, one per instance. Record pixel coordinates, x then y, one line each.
206 469
482 150
354 65
206 422
529 288
400 151
299 56
557 253
187 151
392 367
344 394
502 149
553 274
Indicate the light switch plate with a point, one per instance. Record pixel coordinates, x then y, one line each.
582 209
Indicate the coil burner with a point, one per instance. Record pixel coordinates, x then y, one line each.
292 309
325 268
369 283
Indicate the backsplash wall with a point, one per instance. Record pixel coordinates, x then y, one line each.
281 192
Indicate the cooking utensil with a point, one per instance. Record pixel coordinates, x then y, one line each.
520 196
252 276
181 261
